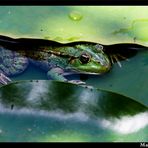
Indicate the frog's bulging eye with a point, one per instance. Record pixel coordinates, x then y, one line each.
84 58
99 47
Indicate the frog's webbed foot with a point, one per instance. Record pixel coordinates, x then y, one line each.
116 58
122 57
4 79
79 82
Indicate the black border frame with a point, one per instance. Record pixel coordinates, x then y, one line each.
73 2
78 3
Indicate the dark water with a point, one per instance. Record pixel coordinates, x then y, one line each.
35 73
31 73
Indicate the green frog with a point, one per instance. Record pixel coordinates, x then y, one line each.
59 60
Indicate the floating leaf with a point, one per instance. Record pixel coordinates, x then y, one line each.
105 25
56 111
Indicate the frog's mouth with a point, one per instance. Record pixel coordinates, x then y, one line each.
91 73
104 69
76 71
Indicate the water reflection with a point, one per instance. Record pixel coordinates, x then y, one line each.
127 124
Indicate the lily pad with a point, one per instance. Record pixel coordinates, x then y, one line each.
105 25
55 111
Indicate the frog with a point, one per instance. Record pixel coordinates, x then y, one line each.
58 60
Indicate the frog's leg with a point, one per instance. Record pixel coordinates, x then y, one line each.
4 79
122 57
58 74
117 60
114 59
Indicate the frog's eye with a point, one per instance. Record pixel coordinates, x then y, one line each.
99 47
84 58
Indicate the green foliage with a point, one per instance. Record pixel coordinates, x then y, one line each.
105 25
57 111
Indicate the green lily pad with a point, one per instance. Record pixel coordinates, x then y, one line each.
105 25
55 111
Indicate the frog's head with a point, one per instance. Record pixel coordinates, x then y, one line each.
90 60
